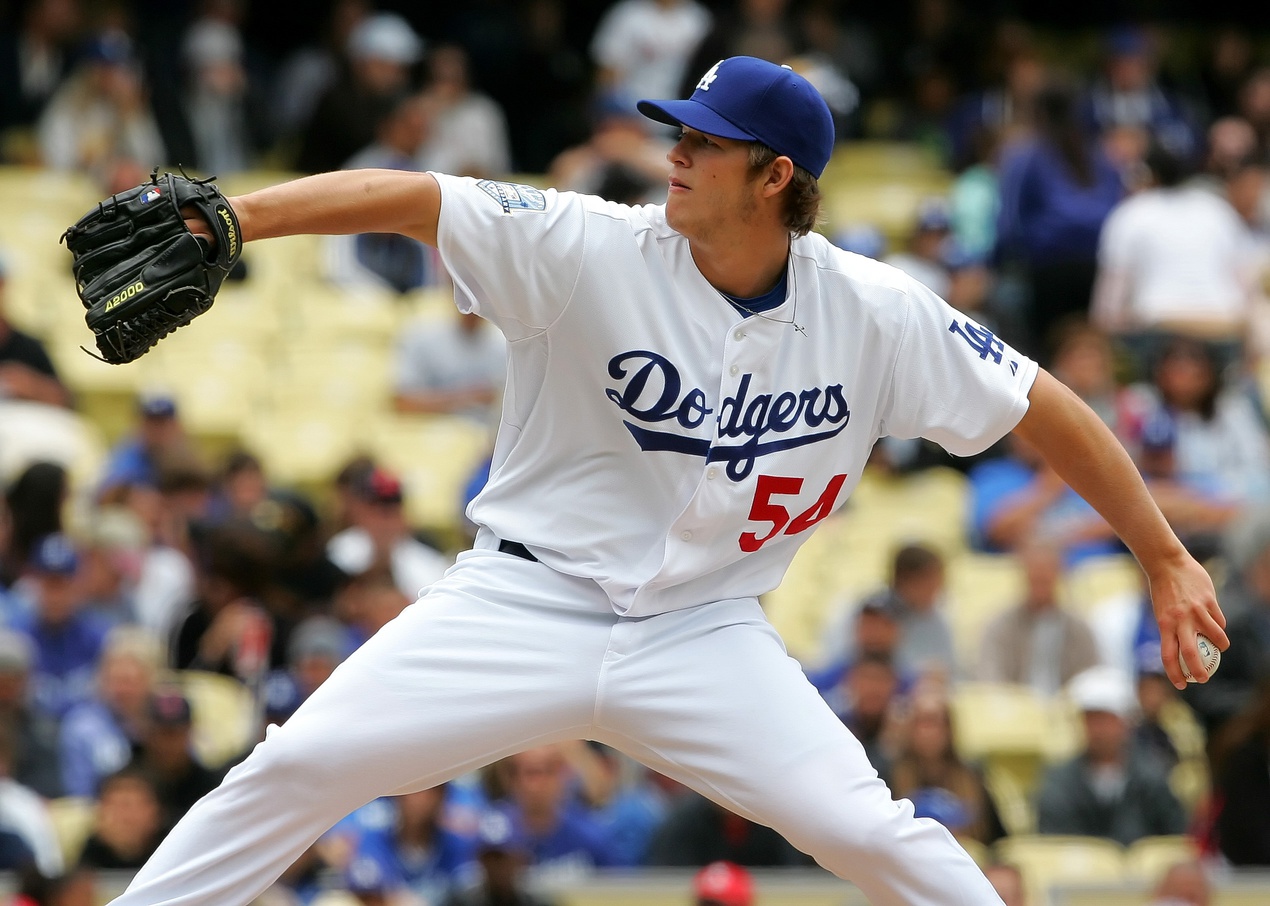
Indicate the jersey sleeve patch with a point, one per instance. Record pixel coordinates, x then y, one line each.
513 196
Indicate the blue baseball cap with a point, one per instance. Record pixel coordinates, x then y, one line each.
748 99
497 832
1159 432
55 555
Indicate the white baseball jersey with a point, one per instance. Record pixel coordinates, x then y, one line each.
656 441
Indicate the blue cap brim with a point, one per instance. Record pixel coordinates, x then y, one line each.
694 115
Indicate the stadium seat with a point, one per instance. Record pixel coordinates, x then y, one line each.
226 717
435 456
1015 803
72 818
1048 860
875 159
928 506
891 206
302 449
980 586
1098 579
1147 859
1003 728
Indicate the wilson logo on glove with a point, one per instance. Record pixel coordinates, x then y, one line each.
231 229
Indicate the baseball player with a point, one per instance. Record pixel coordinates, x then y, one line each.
692 388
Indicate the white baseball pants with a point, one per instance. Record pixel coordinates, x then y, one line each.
504 654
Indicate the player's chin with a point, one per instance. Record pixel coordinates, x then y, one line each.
678 214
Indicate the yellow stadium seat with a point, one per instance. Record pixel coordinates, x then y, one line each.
891 206
980 586
1015 803
980 852
874 159
1096 579
303 449
226 718
928 506
1002 727
435 456
1147 860
72 818
328 312
1048 860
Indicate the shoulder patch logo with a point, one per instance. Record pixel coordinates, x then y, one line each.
711 74
513 196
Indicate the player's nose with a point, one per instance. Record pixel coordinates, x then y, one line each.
678 154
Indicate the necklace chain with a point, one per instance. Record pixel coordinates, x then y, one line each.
793 272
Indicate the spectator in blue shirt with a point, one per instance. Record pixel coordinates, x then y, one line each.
1128 94
99 736
413 853
1016 495
561 839
159 435
68 640
1057 187
502 853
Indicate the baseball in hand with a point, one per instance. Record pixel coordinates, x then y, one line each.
1208 651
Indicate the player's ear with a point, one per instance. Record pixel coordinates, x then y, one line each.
779 173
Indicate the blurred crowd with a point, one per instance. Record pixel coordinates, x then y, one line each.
1107 213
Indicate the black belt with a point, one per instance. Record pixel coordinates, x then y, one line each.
516 549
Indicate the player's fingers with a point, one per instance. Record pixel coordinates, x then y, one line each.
1215 631
1168 656
1215 611
1189 647
195 223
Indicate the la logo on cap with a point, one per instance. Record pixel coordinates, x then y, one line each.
710 76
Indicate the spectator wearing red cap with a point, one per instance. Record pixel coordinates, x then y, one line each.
379 536
167 758
723 884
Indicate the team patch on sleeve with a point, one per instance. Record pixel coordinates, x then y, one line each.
513 196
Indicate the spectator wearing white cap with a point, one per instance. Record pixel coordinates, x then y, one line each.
382 51
1111 789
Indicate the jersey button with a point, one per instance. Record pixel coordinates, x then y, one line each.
711 472
687 536
734 369
738 334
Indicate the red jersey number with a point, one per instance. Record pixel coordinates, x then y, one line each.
764 509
